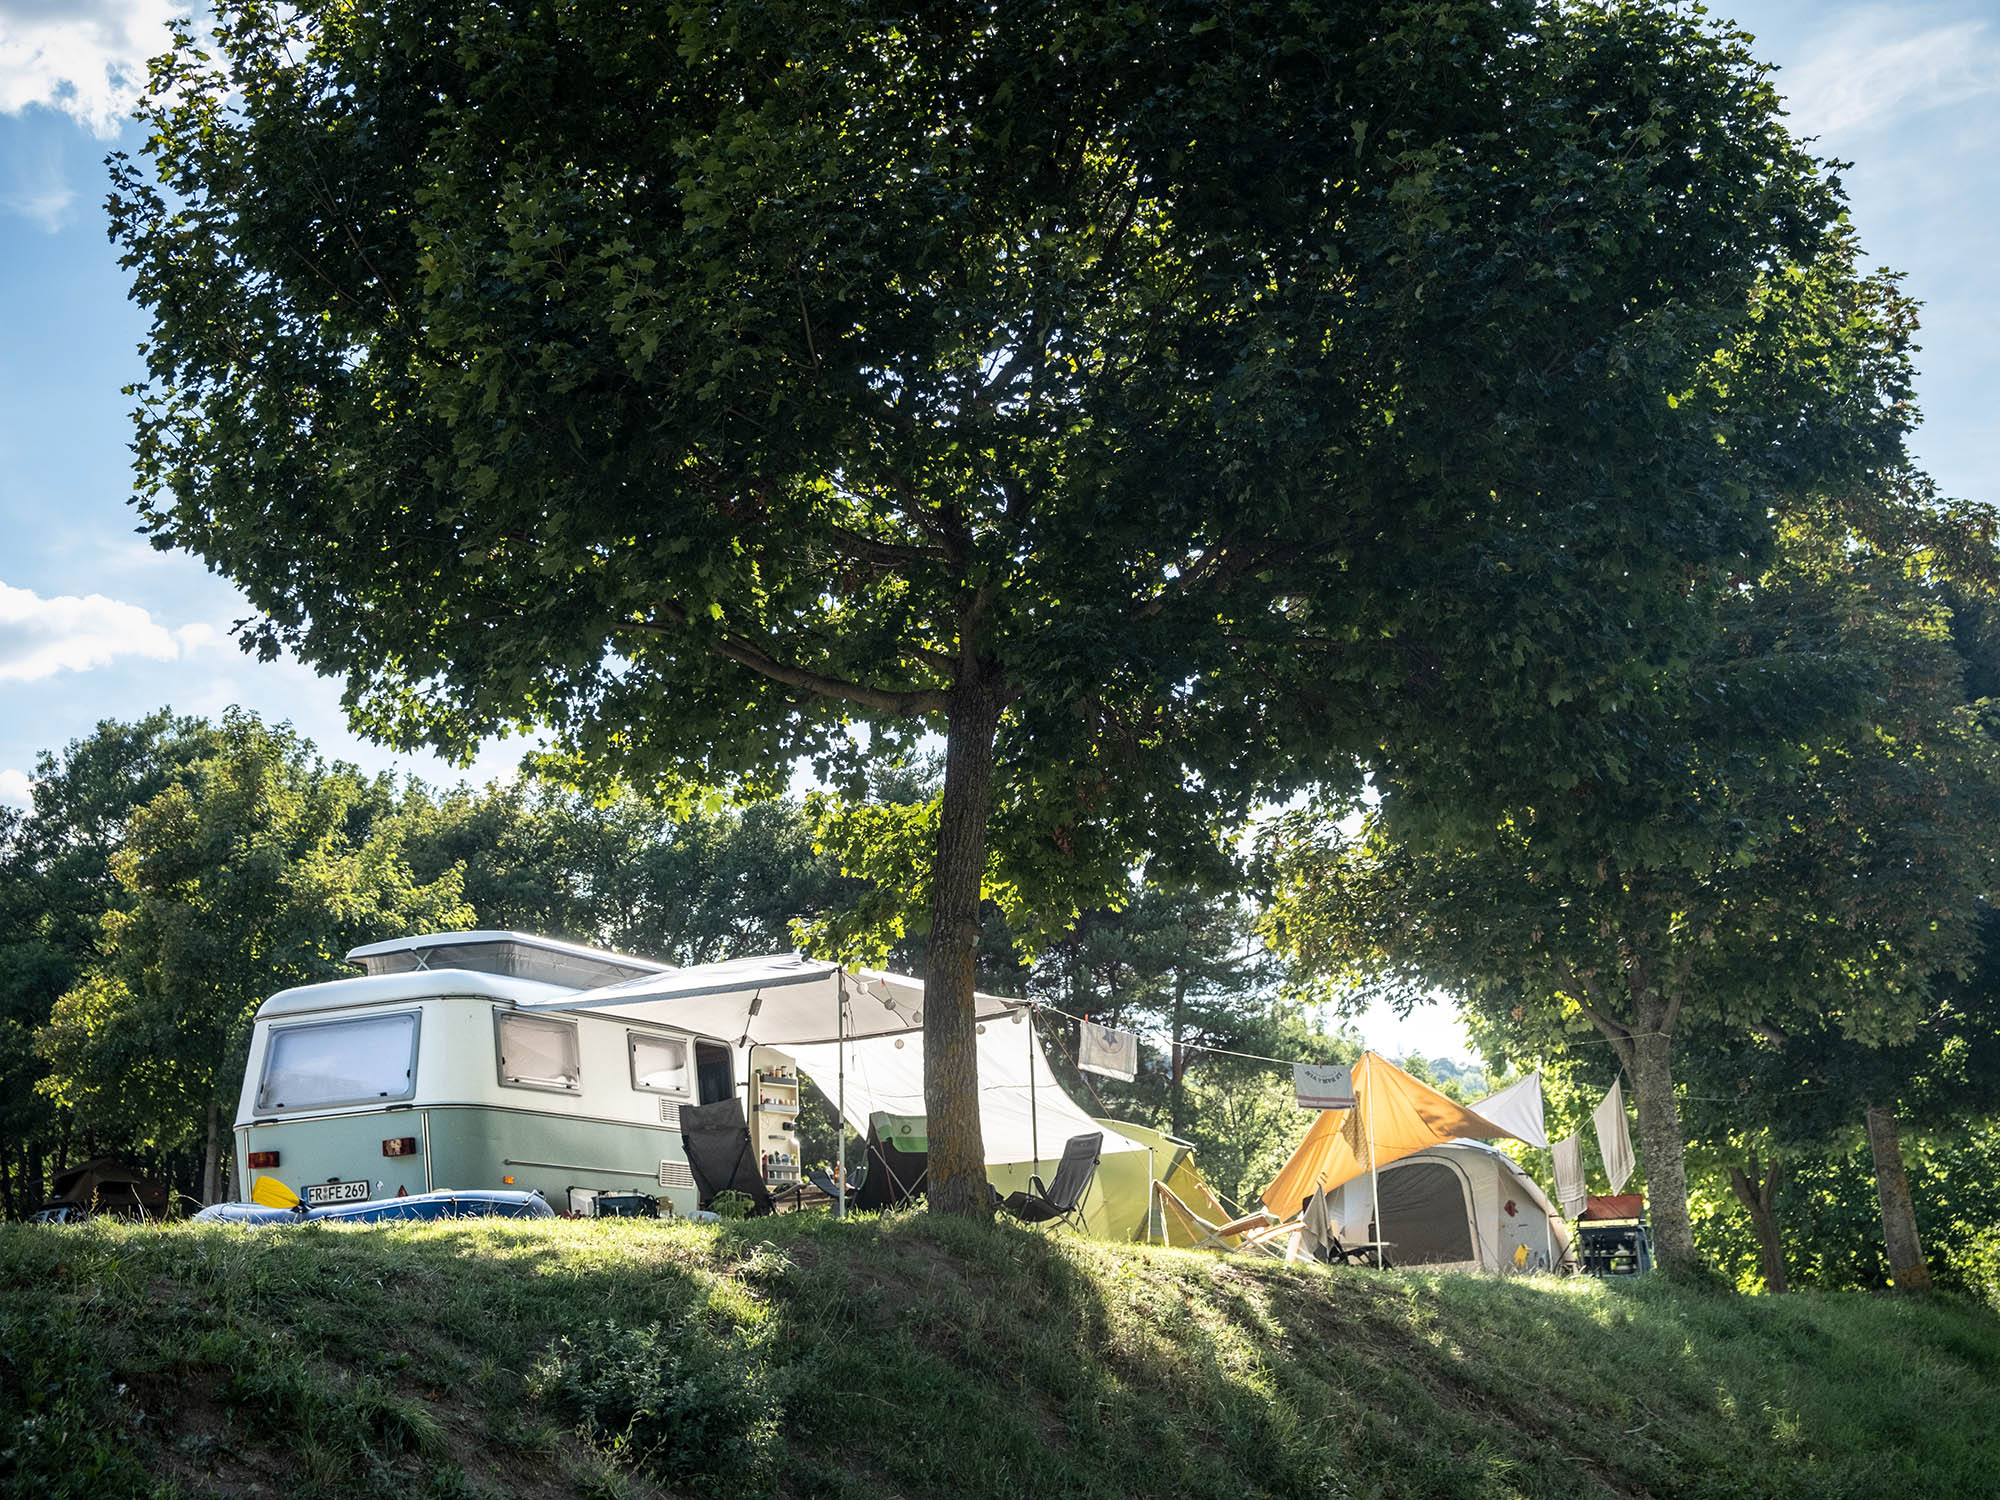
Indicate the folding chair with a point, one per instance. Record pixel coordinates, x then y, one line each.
899 1160
1062 1200
720 1156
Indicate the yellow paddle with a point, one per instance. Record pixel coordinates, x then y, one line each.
272 1193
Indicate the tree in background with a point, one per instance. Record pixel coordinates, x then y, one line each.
56 883
1168 405
255 869
687 886
1801 1093
1809 833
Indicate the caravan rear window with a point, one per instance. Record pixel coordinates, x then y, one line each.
537 1053
321 1063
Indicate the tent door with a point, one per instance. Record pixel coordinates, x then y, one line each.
1427 1214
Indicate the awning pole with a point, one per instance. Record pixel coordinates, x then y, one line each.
1374 1167
840 1108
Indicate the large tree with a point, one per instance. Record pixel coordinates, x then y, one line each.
1166 404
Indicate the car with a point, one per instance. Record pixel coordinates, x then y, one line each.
446 1203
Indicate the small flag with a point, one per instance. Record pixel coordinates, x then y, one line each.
1115 1054
1323 1085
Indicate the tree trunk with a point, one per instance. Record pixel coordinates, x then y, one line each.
211 1167
1660 1139
957 1171
1759 1198
1899 1216
1174 1061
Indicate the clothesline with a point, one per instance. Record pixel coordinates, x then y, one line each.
1288 1062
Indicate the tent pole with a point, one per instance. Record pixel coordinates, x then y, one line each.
1374 1167
840 1110
1034 1122
1151 1172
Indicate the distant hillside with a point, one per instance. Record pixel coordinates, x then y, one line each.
922 1359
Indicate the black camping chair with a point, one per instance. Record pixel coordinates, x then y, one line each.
1062 1200
895 1176
720 1155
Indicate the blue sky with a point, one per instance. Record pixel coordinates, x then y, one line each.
95 625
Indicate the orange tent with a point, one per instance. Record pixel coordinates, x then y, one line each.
1396 1116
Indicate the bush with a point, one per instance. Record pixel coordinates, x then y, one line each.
697 1416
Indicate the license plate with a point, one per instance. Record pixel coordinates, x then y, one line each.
319 1194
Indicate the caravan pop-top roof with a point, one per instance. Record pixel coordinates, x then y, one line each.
519 955
390 989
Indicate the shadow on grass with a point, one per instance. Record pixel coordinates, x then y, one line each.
919 1357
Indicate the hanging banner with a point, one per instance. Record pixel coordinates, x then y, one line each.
1115 1054
1570 1194
1324 1085
1614 1136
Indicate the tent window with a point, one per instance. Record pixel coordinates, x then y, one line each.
1426 1214
325 1063
659 1063
537 1053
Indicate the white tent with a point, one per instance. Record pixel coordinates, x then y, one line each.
1465 1206
887 1073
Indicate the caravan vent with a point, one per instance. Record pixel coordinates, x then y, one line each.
675 1174
670 1112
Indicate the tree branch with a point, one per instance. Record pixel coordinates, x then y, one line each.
908 702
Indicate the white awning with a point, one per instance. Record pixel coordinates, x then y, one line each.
778 1000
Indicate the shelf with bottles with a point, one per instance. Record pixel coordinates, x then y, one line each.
780 1167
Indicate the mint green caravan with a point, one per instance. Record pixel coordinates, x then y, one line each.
433 1071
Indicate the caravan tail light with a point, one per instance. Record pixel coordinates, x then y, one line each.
407 1146
263 1159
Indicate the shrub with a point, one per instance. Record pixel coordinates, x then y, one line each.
698 1416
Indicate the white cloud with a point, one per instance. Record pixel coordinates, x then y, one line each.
40 637
48 207
86 58
14 787
1876 68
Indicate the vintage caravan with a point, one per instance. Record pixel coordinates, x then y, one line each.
432 1070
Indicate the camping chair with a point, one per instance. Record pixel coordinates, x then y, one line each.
720 1156
1319 1238
1063 1199
899 1161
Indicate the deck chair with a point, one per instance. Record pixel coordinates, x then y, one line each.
1207 1235
720 1156
899 1160
1062 1200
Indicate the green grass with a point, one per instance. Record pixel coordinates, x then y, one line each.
907 1357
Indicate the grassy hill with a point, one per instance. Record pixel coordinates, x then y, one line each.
806 1358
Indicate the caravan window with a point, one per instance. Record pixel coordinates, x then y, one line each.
340 1062
659 1063
537 1053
